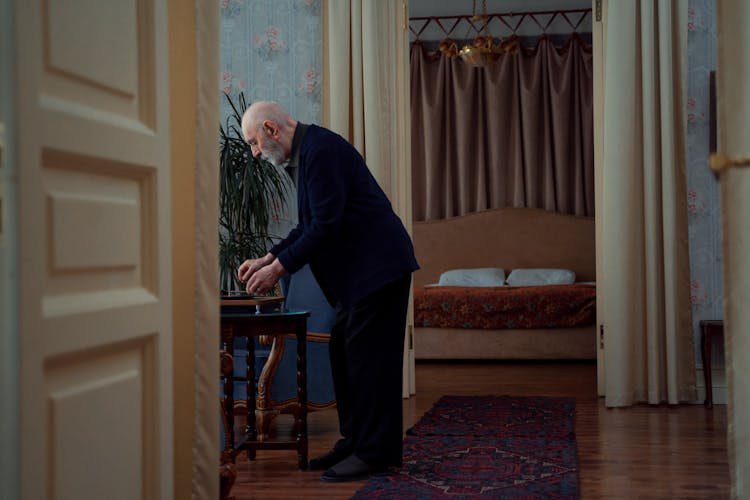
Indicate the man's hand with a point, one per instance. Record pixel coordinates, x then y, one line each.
265 278
250 266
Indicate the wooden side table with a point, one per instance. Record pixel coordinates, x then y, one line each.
709 329
241 321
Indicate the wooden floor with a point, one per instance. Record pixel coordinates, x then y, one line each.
638 452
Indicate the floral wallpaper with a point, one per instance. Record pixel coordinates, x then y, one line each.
704 223
272 50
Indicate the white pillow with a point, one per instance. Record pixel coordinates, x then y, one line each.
532 277
486 276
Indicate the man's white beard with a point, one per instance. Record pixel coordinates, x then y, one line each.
274 154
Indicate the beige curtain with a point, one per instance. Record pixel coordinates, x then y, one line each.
518 133
366 100
733 76
644 286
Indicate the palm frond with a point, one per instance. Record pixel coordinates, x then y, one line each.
252 191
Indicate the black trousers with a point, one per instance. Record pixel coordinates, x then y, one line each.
366 348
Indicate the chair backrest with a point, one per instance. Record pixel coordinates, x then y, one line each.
302 292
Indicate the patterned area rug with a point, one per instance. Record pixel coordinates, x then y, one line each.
497 416
486 447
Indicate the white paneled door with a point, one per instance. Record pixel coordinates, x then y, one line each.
94 237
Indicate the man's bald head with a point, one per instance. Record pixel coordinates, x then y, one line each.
261 111
269 129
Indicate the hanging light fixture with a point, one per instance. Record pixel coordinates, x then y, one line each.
482 50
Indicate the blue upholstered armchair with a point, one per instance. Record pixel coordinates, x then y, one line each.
302 293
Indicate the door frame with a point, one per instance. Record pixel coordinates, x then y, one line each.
598 28
194 40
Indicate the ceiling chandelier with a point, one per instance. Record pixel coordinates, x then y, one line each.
482 50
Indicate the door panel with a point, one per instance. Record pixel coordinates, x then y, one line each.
95 275
112 386
98 59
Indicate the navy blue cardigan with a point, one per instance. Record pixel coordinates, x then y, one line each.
347 229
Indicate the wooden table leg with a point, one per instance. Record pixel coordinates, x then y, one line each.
301 413
706 359
250 429
227 468
227 335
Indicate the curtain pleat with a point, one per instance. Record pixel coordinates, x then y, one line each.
644 283
518 133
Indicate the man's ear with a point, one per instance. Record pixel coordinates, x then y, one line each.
271 128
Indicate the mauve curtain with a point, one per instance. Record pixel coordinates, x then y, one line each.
518 133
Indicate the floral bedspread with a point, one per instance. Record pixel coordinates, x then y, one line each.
505 307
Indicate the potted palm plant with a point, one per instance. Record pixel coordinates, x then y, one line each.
252 192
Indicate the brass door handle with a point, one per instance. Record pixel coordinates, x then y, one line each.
720 163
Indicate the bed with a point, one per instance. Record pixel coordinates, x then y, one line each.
508 238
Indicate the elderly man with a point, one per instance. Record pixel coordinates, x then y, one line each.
362 258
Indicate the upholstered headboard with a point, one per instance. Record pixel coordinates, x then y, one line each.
508 238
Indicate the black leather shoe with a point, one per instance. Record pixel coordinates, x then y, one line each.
351 468
328 460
